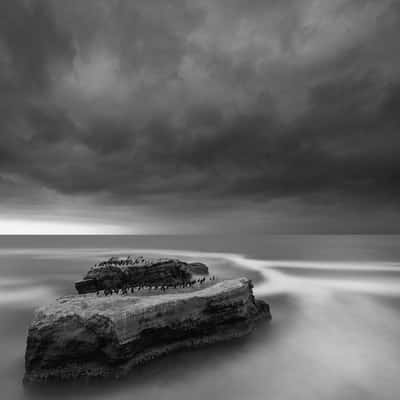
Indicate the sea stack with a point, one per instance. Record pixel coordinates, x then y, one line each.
97 336
118 272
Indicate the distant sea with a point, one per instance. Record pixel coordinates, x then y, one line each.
334 334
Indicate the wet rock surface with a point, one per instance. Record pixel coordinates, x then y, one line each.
88 336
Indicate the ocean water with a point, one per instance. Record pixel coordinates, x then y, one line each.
334 334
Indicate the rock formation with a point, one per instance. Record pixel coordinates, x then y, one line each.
117 272
106 336
197 268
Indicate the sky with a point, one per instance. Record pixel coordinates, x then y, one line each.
199 116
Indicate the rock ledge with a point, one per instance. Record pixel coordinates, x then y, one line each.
87 336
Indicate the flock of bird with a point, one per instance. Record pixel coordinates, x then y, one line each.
125 289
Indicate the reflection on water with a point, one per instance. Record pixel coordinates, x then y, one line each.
334 332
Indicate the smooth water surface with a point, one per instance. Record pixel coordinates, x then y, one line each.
335 303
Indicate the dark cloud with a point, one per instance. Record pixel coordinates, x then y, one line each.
31 44
209 104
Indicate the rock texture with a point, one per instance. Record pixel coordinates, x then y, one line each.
95 336
197 268
117 272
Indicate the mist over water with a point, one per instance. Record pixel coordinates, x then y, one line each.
335 303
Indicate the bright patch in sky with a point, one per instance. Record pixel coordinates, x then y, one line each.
42 227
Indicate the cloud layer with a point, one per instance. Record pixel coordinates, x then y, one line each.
204 109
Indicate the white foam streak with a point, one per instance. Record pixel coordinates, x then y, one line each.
274 279
276 282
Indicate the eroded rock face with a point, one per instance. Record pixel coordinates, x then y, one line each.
197 268
117 272
91 336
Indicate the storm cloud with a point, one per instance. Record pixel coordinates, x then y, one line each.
260 112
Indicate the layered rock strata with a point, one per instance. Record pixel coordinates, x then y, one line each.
87 336
119 272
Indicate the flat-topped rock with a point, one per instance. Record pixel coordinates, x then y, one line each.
118 272
106 336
